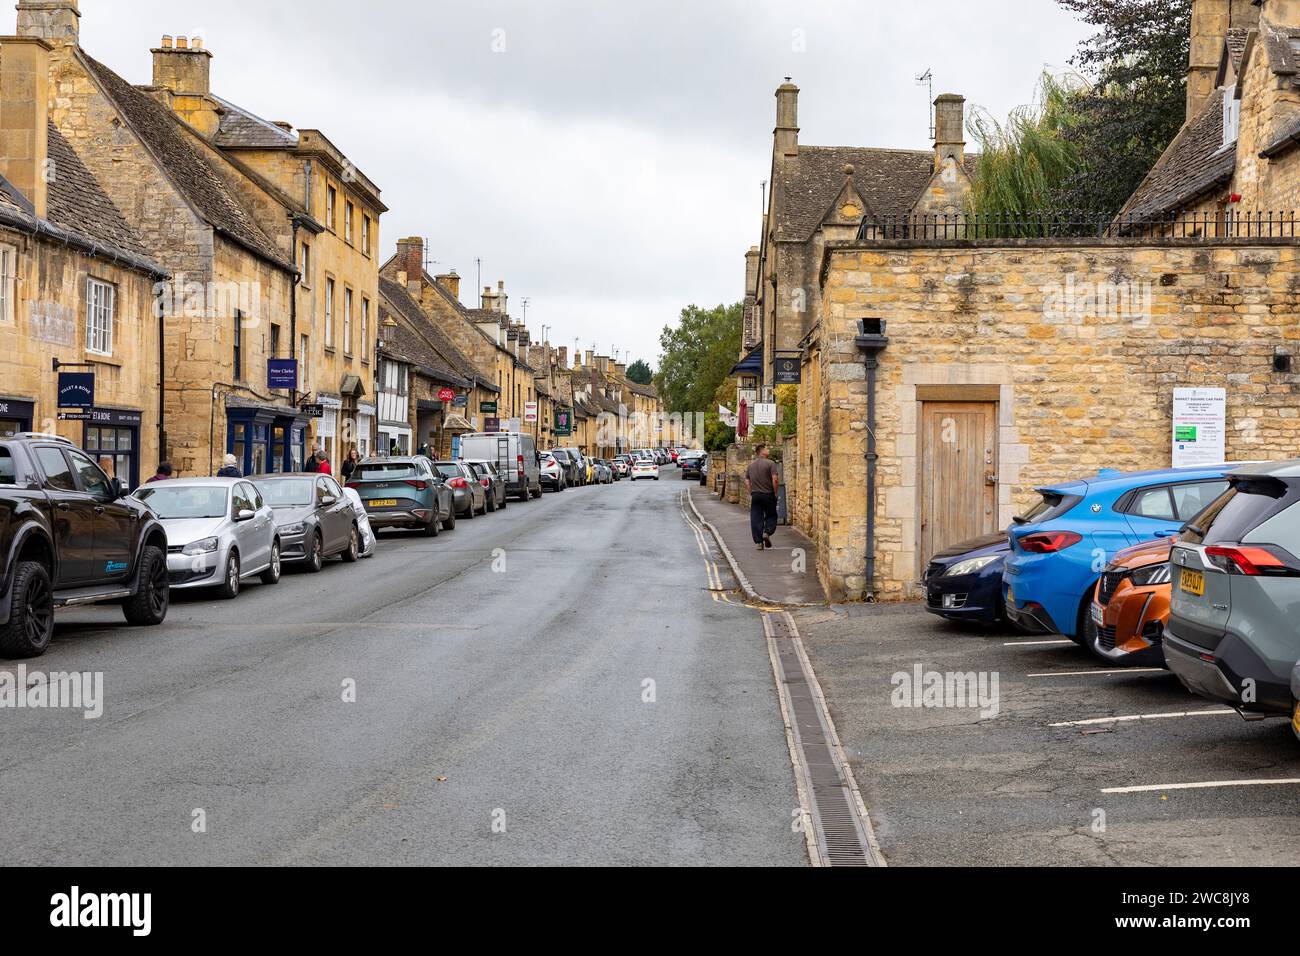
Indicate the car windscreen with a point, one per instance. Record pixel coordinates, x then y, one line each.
288 492
384 471
1247 504
181 501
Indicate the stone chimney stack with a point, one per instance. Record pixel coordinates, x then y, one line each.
410 257
54 21
564 356
496 301
1211 21
183 69
751 271
24 116
591 359
451 282
949 129
787 120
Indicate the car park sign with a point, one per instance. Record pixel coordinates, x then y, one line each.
1199 426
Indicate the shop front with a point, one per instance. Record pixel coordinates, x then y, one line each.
113 434
16 416
266 439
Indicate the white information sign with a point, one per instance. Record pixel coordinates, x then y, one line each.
1200 423
764 414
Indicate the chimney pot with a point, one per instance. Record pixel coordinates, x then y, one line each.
182 43
167 42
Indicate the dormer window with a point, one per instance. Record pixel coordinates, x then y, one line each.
1231 115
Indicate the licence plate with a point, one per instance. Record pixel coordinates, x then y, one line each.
382 503
1295 719
1193 582
1098 617
1011 596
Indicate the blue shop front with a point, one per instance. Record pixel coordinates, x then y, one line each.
265 439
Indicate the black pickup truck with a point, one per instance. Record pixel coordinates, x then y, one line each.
70 535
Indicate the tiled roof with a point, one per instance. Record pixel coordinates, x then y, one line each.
1289 138
445 355
240 129
404 344
1195 162
1236 44
76 202
890 181
184 165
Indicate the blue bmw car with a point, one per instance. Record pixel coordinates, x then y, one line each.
1060 548
964 583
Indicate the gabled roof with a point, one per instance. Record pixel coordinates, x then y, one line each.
446 356
1193 164
78 211
889 181
405 345
241 129
189 171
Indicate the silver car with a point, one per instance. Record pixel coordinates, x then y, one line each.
219 532
470 495
315 519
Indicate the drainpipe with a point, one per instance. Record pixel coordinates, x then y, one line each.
162 386
871 341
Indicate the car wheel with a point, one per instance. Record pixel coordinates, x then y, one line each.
272 574
450 523
316 556
353 551
502 506
31 615
1084 631
469 513
229 589
148 606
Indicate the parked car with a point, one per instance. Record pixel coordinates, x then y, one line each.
220 532
621 466
70 535
314 519
704 471
690 463
470 496
601 473
1233 633
964 583
368 539
493 482
575 466
1130 606
645 468
515 456
1060 548
553 472
404 493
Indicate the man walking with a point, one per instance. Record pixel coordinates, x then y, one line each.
762 481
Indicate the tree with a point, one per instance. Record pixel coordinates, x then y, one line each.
697 356
1136 100
639 372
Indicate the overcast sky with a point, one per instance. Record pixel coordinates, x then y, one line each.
603 157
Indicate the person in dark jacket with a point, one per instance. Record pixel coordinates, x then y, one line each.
313 463
350 464
230 468
165 472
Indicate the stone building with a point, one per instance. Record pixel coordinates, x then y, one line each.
76 286
1001 365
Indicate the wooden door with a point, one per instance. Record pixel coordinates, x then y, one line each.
958 473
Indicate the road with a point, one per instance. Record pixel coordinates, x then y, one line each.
500 712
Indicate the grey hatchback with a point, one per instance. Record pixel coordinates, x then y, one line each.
1232 634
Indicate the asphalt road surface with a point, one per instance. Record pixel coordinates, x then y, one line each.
502 711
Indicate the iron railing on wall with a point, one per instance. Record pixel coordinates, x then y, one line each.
1053 225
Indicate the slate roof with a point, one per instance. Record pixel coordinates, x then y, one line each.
1236 44
185 166
1194 163
404 344
439 353
890 181
1289 138
241 129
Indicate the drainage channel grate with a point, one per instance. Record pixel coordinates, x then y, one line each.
840 830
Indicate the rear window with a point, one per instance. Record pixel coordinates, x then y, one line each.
448 471
1243 511
1053 505
384 471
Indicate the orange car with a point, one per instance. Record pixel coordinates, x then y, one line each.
1131 605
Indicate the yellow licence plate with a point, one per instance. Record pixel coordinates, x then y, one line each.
1193 582
1011 596
1295 719
383 503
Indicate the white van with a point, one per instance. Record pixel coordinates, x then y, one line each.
515 456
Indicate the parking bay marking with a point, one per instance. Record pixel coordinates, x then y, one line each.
1036 643
1205 785
1126 670
1132 717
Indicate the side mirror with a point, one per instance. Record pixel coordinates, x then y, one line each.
120 490
329 500
246 515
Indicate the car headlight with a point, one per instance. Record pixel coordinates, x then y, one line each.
970 566
1155 574
206 546
292 529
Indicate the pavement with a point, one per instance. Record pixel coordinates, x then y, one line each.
785 574
565 682
1051 778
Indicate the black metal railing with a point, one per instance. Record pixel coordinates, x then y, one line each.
1054 225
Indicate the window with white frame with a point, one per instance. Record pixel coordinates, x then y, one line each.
1231 115
347 321
8 281
329 313
365 329
348 212
303 349
305 267
100 302
365 235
